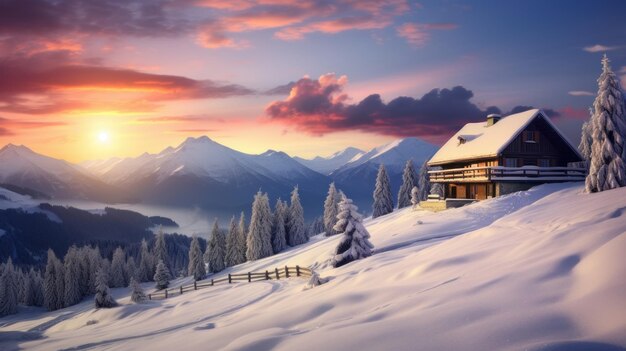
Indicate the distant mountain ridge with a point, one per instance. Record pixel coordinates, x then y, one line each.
326 165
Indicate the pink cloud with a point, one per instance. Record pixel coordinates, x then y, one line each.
417 34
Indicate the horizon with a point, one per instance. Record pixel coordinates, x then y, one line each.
305 78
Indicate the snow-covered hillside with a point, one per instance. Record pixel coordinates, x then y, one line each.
536 270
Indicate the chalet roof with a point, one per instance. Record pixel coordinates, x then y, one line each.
482 141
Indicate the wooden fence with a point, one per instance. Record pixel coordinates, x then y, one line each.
249 277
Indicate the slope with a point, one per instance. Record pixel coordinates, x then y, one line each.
537 270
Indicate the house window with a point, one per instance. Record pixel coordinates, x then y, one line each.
530 136
510 162
544 162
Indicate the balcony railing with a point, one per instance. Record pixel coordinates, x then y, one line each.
499 173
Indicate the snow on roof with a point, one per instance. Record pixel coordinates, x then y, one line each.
487 141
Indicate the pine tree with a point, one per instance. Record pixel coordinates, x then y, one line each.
131 269
95 262
279 238
331 209
215 255
415 196
136 292
608 151
383 203
118 263
196 262
586 138
259 243
83 271
354 243
52 299
146 263
34 289
103 298
8 290
296 233
232 249
160 250
317 226
162 276
72 294
242 238
409 180
423 183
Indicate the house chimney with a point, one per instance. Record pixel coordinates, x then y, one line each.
493 119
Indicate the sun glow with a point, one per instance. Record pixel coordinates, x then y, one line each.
103 137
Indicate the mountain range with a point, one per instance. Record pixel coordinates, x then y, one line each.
205 174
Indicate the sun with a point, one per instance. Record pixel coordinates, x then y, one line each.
103 136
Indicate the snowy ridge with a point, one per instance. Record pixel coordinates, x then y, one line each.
534 270
327 165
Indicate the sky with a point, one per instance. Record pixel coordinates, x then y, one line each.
84 80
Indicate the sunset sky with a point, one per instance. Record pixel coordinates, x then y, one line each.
93 79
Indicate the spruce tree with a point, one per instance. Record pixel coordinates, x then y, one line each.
586 138
232 244
118 265
52 299
608 151
72 294
259 243
216 250
196 262
354 243
331 209
131 269
95 262
160 250
146 263
279 239
409 180
423 183
31 289
415 196
242 238
296 233
103 298
383 203
8 290
136 292
162 276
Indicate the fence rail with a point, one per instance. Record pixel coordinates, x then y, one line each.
275 274
499 173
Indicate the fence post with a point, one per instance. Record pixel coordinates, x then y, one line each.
277 275
249 277
267 275
212 282
149 296
229 279
181 289
166 293
195 285
286 272
298 270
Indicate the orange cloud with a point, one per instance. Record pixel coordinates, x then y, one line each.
418 34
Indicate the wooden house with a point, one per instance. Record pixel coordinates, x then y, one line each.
503 155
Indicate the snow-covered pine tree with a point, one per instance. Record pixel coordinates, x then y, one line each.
131 268
118 263
279 235
52 299
415 196
316 226
586 138
296 234
242 238
95 261
160 250
354 243
83 263
259 242
437 189
136 292
162 276
383 204
34 289
423 183
409 180
8 290
146 263
331 209
216 250
196 262
232 250
608 151
103 298
71 262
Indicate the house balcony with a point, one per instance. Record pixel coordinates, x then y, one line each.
508 174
